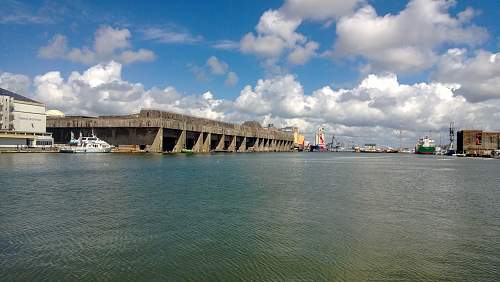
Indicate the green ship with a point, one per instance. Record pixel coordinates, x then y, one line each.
425 146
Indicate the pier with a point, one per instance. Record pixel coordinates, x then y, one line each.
159 131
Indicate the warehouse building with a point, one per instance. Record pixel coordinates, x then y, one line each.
22 122
298 139
477 143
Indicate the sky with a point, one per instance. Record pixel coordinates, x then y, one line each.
368 71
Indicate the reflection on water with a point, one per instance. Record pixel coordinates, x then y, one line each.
297 216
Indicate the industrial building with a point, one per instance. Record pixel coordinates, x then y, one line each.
477 143
22 122
159 131
298 139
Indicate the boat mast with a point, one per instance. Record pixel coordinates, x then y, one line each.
400 140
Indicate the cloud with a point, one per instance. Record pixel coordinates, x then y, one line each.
17 83
108 39
477 75
301 54
141 55
109 44
276 34
170 34
262 45
276 23
216 66
199 72
405 42
101 90
319 9
16 12
231 79
226 45
57 47
372 111
378 106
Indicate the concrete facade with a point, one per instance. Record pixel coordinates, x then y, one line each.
158 131
477 142
22 122
21 114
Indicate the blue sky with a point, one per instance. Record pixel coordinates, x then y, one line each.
210 20
179 38
206 19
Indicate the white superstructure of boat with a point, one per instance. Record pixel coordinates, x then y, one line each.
90 144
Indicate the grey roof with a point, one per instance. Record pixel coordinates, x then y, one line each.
16 96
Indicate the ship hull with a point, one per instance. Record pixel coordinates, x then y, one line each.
425 150
84 150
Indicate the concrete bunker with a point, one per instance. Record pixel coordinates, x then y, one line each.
192 139
215 139
171 138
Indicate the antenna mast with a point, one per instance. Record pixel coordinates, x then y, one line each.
452 135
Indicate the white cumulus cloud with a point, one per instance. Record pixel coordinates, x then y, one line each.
377 108
301 54
478 75
372 111
17 83
109 44
405 42
276 33
101 90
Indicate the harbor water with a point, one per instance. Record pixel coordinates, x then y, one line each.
261 216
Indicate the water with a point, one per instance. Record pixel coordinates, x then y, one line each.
276 216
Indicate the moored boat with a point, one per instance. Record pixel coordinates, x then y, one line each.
90 144
495 154
425 146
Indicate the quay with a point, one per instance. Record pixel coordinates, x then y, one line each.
162 132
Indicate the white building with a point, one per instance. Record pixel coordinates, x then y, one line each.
22 122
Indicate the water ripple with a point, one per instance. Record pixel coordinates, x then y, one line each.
248 217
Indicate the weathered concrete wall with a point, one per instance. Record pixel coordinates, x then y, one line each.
477 142
160 131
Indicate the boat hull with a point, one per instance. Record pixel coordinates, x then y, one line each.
84 150
421 150
424 153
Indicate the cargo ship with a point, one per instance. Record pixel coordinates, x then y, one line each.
319 141
425 146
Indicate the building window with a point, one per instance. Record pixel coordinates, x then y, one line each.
44 143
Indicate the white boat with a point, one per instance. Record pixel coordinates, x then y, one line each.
496 154
90 144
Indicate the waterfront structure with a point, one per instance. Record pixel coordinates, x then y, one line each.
478 143
22 122
159 131
298 139
370 148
